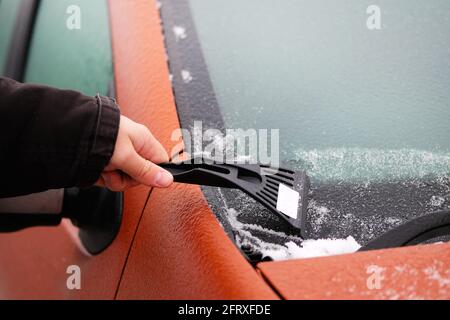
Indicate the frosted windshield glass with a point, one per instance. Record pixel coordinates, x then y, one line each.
352 103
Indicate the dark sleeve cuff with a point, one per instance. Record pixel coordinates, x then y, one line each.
107 128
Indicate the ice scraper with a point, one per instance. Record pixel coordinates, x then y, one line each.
284 192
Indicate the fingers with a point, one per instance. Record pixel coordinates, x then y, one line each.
133 161
147 145
145 171
115 181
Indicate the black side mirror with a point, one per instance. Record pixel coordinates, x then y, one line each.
96 211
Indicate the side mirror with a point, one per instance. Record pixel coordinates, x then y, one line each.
97 212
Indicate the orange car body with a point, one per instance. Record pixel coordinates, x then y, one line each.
170 245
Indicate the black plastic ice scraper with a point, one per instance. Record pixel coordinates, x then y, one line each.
282 191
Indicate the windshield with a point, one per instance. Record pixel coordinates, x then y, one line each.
353 103
359 92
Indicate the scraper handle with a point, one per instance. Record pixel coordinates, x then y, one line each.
202 174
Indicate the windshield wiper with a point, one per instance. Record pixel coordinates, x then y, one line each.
419 230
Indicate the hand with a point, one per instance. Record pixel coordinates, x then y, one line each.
134 158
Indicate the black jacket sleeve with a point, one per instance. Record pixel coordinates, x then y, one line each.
51 138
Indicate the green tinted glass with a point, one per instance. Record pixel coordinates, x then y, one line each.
353 102
78 59
8 14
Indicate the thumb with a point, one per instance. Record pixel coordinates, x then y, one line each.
145 171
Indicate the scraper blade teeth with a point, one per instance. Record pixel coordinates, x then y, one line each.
277 179
279 175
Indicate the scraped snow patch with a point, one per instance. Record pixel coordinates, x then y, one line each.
186 76
179 32
322 247
314 248
290 250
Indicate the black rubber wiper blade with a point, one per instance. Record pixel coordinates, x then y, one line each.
419 230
